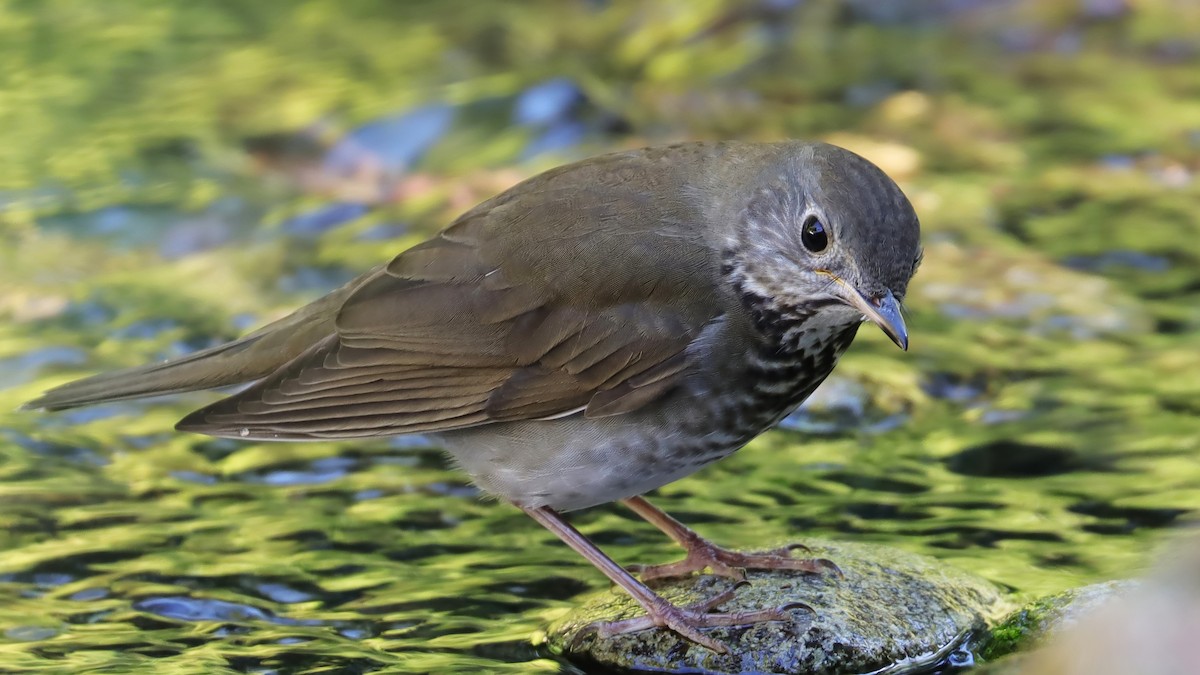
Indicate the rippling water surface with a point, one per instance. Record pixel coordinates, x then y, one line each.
173 176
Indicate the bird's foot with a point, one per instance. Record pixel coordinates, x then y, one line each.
703 554
688 621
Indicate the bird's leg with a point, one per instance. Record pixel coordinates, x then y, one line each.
686 621
702 553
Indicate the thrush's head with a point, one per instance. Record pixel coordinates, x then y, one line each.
824 235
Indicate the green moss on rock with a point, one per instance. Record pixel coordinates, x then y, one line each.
1029 626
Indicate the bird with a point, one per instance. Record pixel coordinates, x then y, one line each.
591 334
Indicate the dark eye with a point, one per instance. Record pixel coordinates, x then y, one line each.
813 235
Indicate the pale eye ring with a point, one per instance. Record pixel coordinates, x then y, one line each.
813 235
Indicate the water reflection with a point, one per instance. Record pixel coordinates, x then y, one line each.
1042 432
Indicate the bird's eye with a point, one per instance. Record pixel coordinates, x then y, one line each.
813 235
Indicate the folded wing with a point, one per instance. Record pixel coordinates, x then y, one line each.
520 310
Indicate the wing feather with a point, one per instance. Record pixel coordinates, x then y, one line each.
514 312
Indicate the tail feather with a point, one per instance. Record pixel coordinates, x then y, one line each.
250 358
210 368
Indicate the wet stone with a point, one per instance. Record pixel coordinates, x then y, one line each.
891 609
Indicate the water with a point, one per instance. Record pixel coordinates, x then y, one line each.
175 176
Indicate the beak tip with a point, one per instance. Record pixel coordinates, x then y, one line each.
884 311
898 337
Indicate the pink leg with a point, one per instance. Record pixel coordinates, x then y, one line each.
702 553
686 621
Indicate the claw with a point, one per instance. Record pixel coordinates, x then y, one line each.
792 606
830 566
687 621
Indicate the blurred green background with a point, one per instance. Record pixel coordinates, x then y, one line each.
172 174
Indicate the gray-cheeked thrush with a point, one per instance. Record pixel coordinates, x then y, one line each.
591 334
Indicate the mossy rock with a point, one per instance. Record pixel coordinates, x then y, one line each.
891 609
1030 627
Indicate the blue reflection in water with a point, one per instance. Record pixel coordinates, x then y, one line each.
320 220
392 143
206 609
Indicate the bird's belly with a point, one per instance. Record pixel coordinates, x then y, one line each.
574 462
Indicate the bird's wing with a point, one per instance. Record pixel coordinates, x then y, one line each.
543 301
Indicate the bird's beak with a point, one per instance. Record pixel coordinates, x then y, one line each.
884 310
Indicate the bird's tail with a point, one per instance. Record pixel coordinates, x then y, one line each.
215 367
244 360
